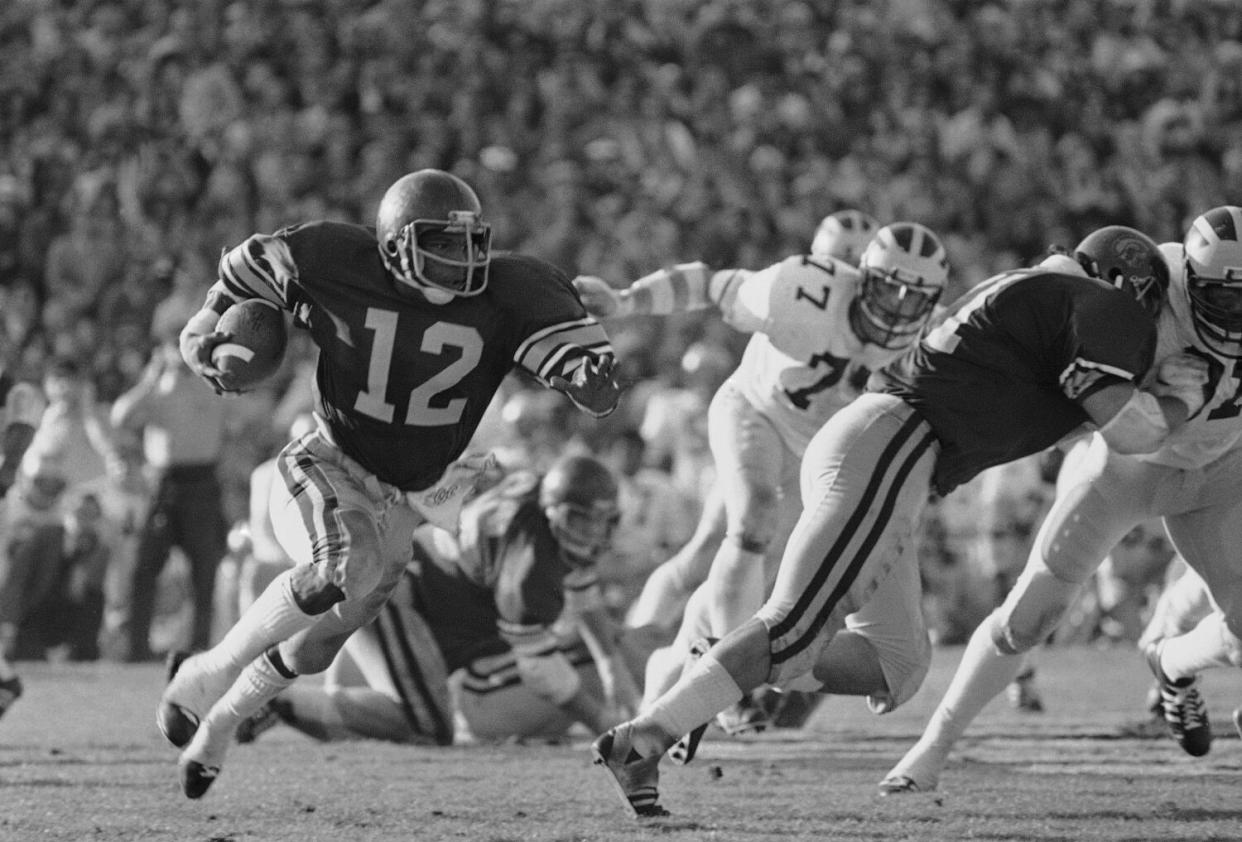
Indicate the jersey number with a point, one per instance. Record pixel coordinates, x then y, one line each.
419 411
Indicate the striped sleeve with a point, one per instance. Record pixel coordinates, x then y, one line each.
261 267
529 640
673 290
559 349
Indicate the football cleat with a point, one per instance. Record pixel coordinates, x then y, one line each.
197 778
900 785
10 692
744 717
1184 711
635 778
175 722
1023 695
264 719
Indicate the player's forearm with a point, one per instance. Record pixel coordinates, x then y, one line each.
681 288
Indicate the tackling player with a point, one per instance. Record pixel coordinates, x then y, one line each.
484 606
1194 481
820 326
417 322
1021 361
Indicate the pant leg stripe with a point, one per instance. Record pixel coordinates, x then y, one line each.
311 488
860 557
417 698
878 475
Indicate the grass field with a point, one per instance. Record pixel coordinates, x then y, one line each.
80 759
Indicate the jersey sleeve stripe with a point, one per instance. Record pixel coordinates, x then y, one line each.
258 268
527 640
1081 376
546 350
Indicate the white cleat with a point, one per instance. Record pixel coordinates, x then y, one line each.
187 697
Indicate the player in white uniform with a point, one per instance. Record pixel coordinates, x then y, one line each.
820 326
1194 481
841 235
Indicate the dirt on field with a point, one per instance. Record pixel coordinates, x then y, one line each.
80 759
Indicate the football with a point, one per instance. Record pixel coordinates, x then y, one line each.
256 347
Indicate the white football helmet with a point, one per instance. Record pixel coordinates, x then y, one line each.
844 235
1213 278
904 272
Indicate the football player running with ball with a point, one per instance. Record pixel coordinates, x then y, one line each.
1193 481
416 324
820 326
1018 363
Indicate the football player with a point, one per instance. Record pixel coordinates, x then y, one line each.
1193 480
23 405
416 322
820 325
486 607
1021 361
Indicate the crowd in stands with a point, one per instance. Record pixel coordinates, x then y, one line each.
139 138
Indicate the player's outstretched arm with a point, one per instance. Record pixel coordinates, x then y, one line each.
687 286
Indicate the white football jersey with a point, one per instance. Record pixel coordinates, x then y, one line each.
1217 427
805 361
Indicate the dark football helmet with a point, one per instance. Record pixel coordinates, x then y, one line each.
844 235
1213 278
1129 260
904 271
578 495
418 212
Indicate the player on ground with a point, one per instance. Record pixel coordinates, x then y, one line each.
417 323
510 608
1194 481
1018 363
820 326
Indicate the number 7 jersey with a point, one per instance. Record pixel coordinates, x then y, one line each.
402 383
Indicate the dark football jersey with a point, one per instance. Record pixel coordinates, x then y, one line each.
1004 373
505 582
402 383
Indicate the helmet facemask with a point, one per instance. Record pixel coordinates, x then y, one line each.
894 308
1213 276
584 533
458 268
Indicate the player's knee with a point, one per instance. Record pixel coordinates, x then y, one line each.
312 591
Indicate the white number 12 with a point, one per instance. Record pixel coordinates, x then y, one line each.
419 411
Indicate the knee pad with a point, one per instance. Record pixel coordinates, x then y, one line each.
312 592
1032 611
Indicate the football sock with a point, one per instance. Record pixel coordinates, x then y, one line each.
736 585
704 690
1203 647
259 683
273 617
982 675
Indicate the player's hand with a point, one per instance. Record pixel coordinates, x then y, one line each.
196 351
1185 377
599 299
594 388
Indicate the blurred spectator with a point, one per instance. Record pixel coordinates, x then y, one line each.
31 550
183 425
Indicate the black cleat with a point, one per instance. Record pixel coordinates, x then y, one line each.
1184 711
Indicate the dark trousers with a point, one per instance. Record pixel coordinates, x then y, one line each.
186 512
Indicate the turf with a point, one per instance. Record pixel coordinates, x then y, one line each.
80 759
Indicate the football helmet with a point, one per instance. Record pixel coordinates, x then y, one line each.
578 494
1129 260
844 235
1213 278
432 236
904 272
